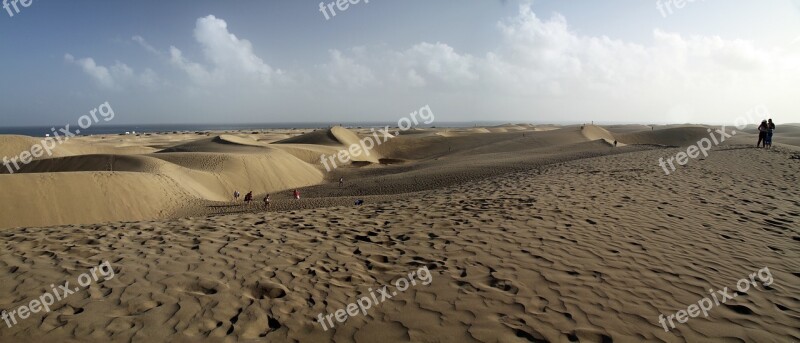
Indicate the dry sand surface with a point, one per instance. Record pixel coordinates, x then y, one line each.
530 234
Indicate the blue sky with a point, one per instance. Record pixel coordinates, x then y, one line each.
282 61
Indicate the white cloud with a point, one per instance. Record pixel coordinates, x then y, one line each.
99 73
196 72
231 58
548 46
440 61
539 66
546 60
146 45
115 77
343 71
414 79
424 64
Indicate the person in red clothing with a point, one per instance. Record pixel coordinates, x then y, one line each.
296 194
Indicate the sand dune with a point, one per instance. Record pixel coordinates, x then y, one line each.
13 145
593 132
223 144
676 136
91 197
317 137
335 136
135 185
542 254
462 132
205 168
307 146
87 197
629 128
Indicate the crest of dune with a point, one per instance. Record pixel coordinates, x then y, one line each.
594 133
328 142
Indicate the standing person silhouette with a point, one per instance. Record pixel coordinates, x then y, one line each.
296 194
770 130
762 133
248 198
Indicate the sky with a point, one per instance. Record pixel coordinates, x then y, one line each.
280 61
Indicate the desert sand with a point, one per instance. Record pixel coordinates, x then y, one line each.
531 233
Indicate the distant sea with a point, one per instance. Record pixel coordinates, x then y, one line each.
41 131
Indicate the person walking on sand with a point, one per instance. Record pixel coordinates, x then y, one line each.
266 202
762 133
236 196
296 194
341 181
248 198
770 131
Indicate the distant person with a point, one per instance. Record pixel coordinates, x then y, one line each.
236 196
615 143
770 130
359 202
296 194
248 198
341 181
762 133
266 202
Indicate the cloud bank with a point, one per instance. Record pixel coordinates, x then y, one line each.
541 71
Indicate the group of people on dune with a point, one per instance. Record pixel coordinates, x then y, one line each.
765 131
248 198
